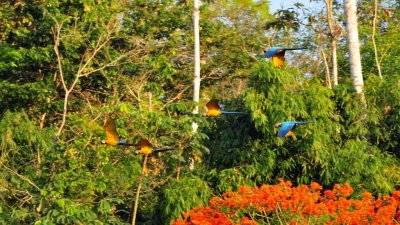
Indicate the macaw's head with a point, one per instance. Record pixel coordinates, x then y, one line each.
277 124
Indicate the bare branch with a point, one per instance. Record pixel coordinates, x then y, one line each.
177 96
22 177
328 75
110 64
91 54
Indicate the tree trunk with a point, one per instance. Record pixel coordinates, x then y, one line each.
196 80
334 37
328 74
350 8
378 66
334 63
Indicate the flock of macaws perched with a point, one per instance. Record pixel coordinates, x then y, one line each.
213 109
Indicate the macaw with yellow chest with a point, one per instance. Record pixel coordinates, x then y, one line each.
278 55
112 137
146 148
285 128
213 109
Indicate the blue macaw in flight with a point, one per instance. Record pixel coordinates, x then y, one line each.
112 137
278 55
286 127
146 148
213 109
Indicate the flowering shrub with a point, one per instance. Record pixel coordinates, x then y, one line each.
284 204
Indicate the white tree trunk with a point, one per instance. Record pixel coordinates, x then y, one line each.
350 8
196 80
334 63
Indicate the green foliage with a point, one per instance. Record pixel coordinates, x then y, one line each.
284 95
285 19
384 109
132 61
20 141
322 151
63 184
181 195
16 96
359 163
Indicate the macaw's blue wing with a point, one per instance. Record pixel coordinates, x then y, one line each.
286 126
278 55
269 52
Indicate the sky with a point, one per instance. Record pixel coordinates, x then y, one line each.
279 4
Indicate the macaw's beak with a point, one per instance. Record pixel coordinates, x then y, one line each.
266 49
277 124
103 141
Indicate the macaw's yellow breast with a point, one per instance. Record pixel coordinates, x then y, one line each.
213 112
278 61
213 108
112 142
290 134
145 147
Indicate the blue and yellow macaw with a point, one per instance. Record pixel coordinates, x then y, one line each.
146 148
112 137
278 55
286 128
213 109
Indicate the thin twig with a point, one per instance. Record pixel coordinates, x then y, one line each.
328 75
102 40
138 191
22 177
177 96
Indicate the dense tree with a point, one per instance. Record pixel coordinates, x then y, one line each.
67 66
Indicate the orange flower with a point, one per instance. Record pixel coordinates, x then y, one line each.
295 205
247 221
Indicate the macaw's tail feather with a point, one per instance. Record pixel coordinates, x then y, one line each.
301 48
154 150
162 149
128 144
305 122
233 113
